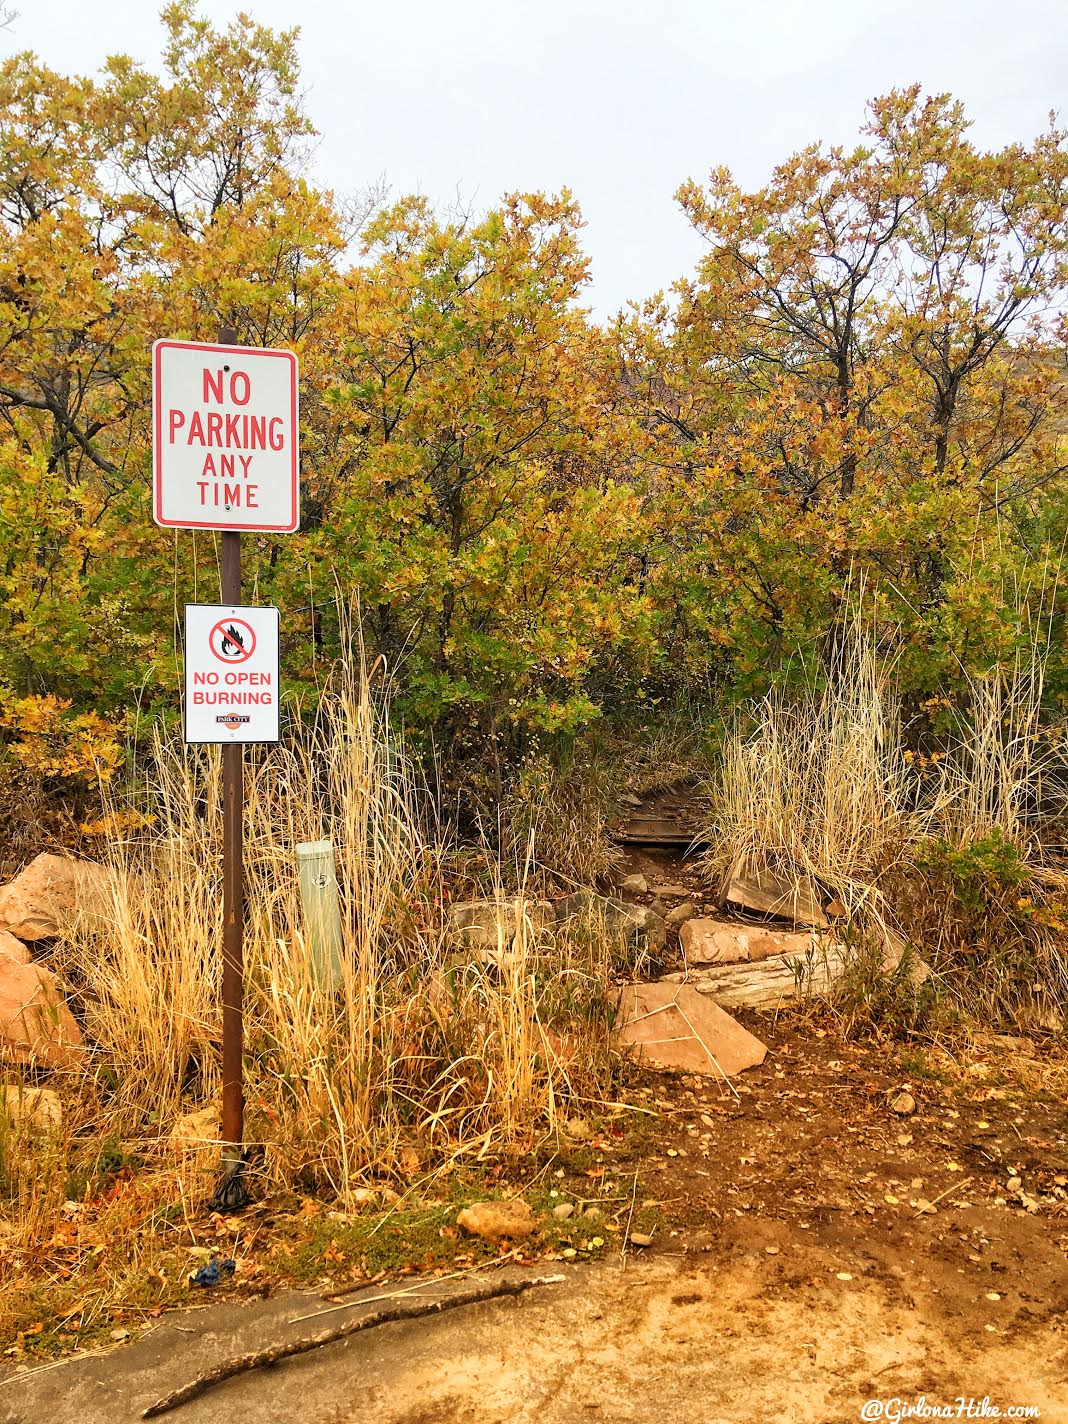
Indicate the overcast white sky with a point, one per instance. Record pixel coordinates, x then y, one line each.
619 101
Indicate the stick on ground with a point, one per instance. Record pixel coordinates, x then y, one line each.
242 1364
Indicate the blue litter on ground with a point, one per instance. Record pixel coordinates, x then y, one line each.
213 1272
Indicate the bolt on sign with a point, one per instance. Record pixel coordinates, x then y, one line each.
231 674
225 437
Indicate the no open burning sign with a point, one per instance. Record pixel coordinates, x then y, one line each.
231 674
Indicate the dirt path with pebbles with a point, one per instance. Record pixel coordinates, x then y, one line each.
795 1274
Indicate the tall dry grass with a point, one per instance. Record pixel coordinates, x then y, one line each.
817 785
820 785
423 1051
1005 767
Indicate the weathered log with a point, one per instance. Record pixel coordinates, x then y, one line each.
780 979
285 1350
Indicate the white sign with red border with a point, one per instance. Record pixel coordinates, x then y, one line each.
231 674
225 437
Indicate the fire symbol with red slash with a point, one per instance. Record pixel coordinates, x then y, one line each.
232 640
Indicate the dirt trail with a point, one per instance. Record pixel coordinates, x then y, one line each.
794 1275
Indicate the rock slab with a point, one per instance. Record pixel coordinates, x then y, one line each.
39 1109
756 886
673 1026
492 925
769 983
50 893
36 1027
12 948
496 1221
629 922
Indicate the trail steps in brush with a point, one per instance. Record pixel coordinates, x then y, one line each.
771 947
662 818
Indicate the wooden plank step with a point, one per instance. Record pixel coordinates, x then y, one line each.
665 823
630 835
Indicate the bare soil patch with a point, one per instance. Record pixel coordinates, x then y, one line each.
795 1272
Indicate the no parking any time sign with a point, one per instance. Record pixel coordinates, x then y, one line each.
224 437
231 674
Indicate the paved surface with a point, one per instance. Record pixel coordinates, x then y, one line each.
707 1341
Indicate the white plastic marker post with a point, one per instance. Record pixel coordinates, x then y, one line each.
226 457
317 876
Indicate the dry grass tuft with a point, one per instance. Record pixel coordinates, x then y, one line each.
950 853
421 1057
421 1051
818 786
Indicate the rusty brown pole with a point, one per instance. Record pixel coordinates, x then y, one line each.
233 790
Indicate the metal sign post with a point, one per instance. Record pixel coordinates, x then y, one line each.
233 975
225 456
